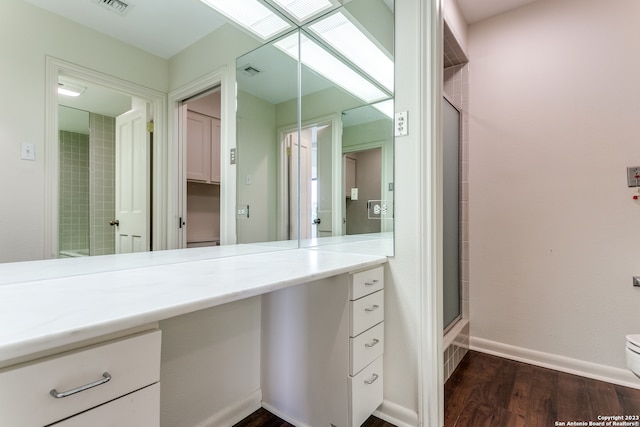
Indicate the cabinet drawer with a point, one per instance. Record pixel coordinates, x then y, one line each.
365 390
366 312
132 363
366 282
365 348
139 409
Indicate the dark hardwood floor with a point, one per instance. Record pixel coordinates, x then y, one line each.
263 418
494 392
488 391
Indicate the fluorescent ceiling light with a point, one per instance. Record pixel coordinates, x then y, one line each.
70 89
385 107
331 68
304 9
252 15
345 37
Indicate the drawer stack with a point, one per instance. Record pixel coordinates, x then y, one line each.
366 343
114 383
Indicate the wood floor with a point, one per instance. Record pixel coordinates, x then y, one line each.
262 418
490 391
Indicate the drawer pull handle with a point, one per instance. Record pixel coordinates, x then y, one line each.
372 380
372 343
59 395
371 283
372 308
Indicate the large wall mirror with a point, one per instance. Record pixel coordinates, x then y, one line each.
315 133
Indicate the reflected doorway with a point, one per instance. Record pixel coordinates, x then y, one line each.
363 191
104 149
309 182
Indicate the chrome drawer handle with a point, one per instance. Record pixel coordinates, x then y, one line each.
59 395
374 342
373 308
371 283
372 380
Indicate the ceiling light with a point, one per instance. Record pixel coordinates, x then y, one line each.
304 9
385 107
322 62
252 15
70 89
347 39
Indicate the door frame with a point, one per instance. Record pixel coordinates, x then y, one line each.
177 168
337 175
158 101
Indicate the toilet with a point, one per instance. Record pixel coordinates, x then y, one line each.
633 354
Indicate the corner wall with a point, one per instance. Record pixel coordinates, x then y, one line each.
553 227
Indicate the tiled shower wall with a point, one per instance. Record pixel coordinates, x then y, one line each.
73 227
87 187
456 90
102 156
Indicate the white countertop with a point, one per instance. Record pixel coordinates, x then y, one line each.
47 304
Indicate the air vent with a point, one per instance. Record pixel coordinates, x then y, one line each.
250 70
116 6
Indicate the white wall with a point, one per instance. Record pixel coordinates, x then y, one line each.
29 34
456 21
554 231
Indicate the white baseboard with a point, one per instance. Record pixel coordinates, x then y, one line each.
284 416
396 414
236 412
569 365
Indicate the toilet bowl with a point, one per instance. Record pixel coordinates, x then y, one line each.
633 354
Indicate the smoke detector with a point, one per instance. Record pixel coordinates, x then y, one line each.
117 6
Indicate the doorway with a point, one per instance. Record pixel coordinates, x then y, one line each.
104 170
309 181
364 207
451 214
203 177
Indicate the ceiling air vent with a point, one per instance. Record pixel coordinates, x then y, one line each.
116 6
250 70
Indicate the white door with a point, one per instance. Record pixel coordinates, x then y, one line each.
132 181
325 186
300 201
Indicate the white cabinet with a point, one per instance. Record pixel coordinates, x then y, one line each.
73 382
323 345
203 148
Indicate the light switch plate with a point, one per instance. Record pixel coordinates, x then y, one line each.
401 123
354 194
633 176
28 152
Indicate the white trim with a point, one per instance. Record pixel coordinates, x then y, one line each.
177 163
53 68
396 414
234 413
284 416
430 356
556 362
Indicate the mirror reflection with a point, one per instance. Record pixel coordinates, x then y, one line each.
316 153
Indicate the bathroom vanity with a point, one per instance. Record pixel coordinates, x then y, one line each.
83 340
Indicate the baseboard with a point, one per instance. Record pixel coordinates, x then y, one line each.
396 414
235 412
569 365
284 416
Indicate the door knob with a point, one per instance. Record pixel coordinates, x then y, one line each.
317 221
114 222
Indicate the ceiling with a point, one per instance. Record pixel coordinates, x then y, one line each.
165 27
478 10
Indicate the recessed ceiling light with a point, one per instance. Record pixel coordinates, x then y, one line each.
252 15
324 63
339 32
70 89
304 9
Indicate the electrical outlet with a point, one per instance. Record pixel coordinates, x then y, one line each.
232 156
401 123
633 176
